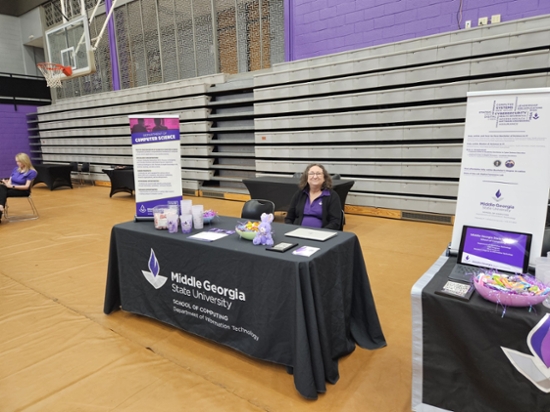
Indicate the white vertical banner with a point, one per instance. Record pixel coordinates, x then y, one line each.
157 162
505 171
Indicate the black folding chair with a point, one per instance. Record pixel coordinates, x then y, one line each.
253 208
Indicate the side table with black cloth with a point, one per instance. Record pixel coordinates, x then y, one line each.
458 363
281 189
302 312
122 180
53 175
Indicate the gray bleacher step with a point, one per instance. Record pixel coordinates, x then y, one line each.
233 167
231 102
231 115
234 154
232 141
245 81
227 178
230 129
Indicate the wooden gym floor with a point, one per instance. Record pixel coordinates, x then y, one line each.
59 352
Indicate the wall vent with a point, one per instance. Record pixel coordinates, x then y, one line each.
189 192
424 217
213 193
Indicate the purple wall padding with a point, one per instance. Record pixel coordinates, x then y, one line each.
14 137
320 27
112 46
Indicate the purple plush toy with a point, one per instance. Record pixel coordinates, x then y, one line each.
263 236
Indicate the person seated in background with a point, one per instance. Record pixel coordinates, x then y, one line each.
19 183
139 127
315 204
159 126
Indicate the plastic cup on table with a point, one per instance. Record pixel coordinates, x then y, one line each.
185 207
197 212
172 219
186 223
542 273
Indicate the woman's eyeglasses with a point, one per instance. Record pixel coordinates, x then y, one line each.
315 174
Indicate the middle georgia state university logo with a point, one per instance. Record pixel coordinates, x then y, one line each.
536 368
153 276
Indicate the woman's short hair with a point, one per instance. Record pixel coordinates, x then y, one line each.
25 159
327 184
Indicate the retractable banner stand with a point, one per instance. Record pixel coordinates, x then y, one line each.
157 162
505 172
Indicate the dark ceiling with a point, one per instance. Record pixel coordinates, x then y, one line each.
19 7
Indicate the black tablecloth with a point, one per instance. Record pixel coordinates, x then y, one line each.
464 367
281 189
53 175
122 180
302 312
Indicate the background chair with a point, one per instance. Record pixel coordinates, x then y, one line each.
336 176
75 169
80 170
253 208
343 221
85 170
33 215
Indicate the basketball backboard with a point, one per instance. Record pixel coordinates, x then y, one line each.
69 45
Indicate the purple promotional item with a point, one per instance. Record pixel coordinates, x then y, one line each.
263 235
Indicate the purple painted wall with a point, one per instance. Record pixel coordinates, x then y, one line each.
320 27
14 137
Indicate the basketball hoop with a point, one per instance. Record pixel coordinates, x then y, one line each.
52 73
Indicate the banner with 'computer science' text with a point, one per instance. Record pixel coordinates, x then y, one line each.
505 171
157 162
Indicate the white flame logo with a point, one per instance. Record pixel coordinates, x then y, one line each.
153 276
535 367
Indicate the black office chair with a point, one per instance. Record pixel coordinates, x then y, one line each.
336 176
24 216
253 208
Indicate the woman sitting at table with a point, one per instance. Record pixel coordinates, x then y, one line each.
315 204
19 183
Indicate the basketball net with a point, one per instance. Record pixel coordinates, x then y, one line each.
53 72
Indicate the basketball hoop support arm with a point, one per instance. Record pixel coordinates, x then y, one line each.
100 35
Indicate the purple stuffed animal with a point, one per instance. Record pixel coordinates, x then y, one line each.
263 236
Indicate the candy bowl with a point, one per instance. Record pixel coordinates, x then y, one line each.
209 215
247 230
514 290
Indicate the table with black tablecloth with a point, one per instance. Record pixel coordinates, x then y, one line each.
122 180
281 189
53 175
458 362
302 312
